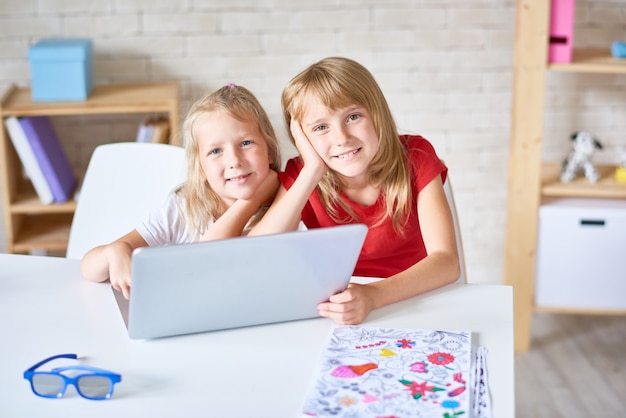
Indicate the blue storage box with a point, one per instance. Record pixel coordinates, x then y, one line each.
61 69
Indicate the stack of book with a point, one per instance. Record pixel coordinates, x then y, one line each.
154 130
43 158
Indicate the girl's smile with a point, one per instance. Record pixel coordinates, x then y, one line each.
239 179
348 156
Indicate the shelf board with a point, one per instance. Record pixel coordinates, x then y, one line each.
29 203
103 99
605 187
43 232
580 310
592 61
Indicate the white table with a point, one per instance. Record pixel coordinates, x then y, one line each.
46 308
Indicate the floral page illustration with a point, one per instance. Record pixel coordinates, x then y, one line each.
399 373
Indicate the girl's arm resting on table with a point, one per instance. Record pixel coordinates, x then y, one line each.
234 220
112 261
439 268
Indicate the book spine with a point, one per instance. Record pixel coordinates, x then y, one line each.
27 157
50 156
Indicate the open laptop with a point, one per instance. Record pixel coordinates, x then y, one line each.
237 282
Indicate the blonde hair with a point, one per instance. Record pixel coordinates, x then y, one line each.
203 203
337 83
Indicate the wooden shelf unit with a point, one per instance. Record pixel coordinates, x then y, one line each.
530 179
30 224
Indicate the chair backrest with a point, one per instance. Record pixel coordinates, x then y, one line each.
447 187
124 183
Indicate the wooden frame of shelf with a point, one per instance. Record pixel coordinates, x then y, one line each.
30 224
529 178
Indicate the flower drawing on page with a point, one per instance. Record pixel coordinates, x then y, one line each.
385 352
457 391
346 400
441 359
353 371
419 367
404 343
419 390
458 377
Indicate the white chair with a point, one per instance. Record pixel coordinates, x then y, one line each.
447 187
123 183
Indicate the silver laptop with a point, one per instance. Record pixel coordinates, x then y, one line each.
238 282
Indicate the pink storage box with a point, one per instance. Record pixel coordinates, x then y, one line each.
561 31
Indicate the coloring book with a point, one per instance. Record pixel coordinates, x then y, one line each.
400 373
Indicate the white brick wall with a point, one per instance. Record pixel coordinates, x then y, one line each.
444 65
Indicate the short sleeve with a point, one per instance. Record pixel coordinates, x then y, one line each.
166 225
425 163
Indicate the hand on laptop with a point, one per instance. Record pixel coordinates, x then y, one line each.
119 255
111 261
349 307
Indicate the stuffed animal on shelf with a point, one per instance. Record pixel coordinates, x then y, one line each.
580 158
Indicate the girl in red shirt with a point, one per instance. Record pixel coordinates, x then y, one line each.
354 167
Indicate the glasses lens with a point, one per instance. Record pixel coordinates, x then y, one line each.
49 385
94 387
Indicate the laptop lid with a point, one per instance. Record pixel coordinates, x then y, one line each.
237 282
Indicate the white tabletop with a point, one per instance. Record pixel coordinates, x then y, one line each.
46 308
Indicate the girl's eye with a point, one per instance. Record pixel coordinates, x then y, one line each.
246 143
354 116
319 128
215 151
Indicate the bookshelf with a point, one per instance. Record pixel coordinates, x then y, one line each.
30 224
531 179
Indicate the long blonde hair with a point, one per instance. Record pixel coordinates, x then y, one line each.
202 202
337 83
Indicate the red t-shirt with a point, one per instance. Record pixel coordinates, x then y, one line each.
384 252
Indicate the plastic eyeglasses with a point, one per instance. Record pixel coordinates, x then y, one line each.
96 385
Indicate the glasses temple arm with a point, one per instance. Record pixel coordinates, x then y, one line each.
42 362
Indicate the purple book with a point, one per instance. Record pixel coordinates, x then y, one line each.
50 156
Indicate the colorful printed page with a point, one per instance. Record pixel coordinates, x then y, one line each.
400 373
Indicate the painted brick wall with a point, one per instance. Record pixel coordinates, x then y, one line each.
444 65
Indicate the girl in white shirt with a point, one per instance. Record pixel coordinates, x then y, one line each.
233 158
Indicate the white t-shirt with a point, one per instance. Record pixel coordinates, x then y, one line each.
166 225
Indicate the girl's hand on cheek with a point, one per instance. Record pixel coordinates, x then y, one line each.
349 307
310 157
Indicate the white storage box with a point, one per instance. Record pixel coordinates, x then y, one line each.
581 254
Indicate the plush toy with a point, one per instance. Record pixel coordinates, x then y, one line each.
580 158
